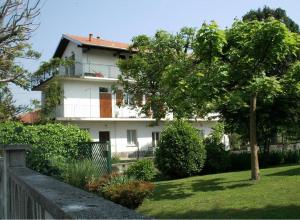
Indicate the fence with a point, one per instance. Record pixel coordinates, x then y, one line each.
98 152
26 194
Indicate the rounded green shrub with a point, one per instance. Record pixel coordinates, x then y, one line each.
217 158
180 151
142 170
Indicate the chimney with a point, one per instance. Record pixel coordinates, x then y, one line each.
98 37
90 37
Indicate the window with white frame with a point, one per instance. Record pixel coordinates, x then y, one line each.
131 138
128 99
155 138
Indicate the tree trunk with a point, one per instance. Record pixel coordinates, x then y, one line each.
253 143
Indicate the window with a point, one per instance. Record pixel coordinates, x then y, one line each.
103 89
122 57
155 138
131 137
128 99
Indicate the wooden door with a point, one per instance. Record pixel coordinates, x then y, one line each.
104 136
105 105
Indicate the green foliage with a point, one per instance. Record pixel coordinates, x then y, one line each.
152 59
267 12
130 194
217 159
292 156
121 189
79 172
180 150
272 158
142 170
8 109
115 159
240 161
52 98
50 142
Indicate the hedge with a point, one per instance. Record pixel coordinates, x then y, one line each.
51 143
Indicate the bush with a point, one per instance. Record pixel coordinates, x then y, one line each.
115 159
292 156
180 150
217 159
142 170
240 161
121 189
50 142
79 173
271 158
130 194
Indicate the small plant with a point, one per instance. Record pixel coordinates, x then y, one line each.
130 194
180 151
79 173
115 159
142 170
121 189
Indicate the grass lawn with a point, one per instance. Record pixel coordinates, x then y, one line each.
228 195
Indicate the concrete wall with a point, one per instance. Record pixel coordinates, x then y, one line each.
26 194
70 49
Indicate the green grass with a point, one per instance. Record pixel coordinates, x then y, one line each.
228 195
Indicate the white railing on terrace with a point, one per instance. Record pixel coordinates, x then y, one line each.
79 69
93 111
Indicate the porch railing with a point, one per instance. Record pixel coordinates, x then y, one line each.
79 69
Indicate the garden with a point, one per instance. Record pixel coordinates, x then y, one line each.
190 177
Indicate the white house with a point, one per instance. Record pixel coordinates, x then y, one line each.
89 102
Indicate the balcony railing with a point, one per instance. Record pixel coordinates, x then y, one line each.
79 70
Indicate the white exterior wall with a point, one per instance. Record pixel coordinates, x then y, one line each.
81 99
73 48
118 132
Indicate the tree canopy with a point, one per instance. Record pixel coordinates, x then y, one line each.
229 71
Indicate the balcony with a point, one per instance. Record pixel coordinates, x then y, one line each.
79 70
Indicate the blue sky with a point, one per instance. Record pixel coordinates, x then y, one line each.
120 20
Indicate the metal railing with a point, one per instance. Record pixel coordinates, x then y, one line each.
79 69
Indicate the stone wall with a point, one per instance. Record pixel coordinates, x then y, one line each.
28 194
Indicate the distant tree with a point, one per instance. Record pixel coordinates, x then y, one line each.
267 12
8 109
17 23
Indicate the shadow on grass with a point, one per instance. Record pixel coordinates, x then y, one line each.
268 212
291 172
171 190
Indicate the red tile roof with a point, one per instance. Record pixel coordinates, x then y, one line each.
98 42
30 117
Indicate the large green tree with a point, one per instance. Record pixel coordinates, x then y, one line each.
144 73
254 47
271 119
